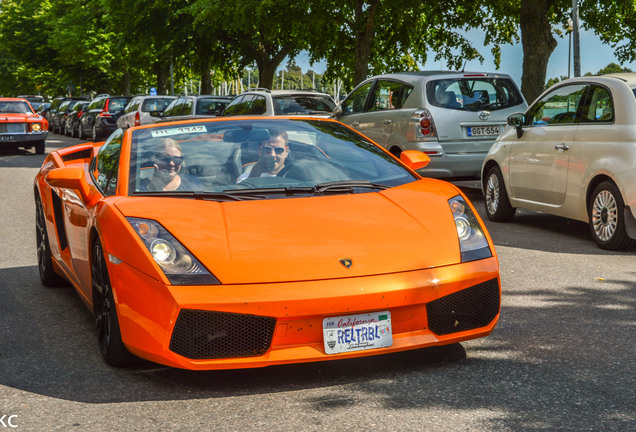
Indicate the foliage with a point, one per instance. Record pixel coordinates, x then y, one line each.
55 47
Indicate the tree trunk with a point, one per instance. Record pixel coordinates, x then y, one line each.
363 38
267 67
163 75
126 83
538 44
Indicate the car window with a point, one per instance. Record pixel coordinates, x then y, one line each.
259 105
233 106
355 102
473 93
210 106
171 109
559 106
242 106
389 95
159 104
7 107
132 106
600 108
106 164
302 104
117 104
186 107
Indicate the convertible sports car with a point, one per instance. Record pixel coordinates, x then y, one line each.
254 241
20 126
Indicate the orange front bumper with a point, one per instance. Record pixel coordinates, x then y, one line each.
148 311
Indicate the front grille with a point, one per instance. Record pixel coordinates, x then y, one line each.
467 309
13 127
211 335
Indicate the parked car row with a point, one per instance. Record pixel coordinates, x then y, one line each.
570 153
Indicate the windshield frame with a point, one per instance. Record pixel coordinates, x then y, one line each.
353 156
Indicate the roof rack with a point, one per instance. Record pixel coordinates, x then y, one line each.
258 89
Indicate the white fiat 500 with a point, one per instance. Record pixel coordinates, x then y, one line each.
572 154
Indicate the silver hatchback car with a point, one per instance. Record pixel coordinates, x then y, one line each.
143 110
453 117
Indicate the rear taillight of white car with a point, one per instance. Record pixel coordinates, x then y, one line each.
421 126
137 119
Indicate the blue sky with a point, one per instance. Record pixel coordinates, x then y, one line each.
594 56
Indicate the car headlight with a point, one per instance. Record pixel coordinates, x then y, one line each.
36 127
472 240
177 263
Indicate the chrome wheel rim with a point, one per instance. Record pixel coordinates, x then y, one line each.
604 215
492 194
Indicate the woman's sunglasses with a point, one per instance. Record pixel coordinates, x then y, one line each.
166 159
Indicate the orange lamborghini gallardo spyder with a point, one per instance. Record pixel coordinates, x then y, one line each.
249 242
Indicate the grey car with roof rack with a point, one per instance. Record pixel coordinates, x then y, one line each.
453 117
262 101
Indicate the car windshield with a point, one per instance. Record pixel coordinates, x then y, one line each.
117 104
473 94
211 106
302 105
258 159
14 107
158 104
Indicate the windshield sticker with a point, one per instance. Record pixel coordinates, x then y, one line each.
177 131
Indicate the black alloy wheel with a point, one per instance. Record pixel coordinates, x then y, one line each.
45 261
105 312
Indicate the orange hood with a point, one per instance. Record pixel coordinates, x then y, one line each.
279 240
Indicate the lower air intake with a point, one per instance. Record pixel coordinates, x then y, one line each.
467 309
211 335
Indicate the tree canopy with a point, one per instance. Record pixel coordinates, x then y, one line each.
65 47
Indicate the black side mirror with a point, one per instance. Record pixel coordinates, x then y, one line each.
517 120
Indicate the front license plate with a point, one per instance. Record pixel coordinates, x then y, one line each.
357 332
7 138
483 131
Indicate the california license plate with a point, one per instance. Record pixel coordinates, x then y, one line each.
483 131
357 332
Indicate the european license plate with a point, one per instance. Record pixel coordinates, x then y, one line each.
483 131
357 332
7 138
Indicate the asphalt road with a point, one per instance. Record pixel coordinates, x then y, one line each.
561 359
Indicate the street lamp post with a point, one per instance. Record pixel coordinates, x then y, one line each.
577 48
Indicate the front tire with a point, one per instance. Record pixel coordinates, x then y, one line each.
45 261
607 218
105 313
39 147
497 204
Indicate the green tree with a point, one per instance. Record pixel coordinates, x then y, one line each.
254 31
613 68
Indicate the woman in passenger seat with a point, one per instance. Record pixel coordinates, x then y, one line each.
167 176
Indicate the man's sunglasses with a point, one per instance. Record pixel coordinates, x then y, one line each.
277 150
165 160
